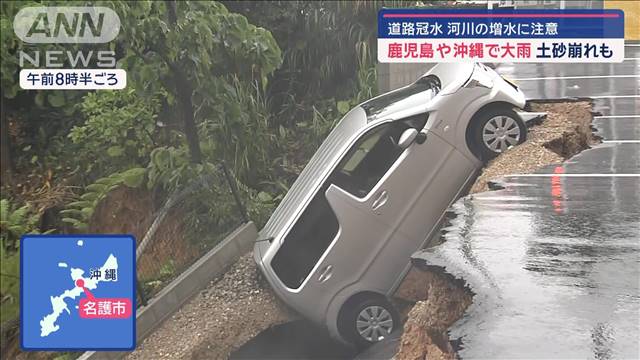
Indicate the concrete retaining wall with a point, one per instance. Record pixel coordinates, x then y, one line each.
180 290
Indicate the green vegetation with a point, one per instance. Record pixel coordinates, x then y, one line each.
257 85
119 131
10 285
14 222
78 213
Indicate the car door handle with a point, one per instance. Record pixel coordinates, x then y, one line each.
380 200
326 273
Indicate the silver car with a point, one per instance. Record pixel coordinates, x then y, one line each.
340 242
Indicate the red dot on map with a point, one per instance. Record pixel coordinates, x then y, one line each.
80 283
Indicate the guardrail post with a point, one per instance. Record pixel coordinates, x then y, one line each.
234 191
143 297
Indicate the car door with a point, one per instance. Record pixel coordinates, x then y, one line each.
357 214
403 194
373 187
411 200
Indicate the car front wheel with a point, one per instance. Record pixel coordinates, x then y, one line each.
497 130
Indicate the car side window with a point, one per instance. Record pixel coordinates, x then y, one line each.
304 245
372 156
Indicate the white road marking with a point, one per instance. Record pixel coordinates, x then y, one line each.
616 116
577 77
621 141
575 175
597 117
611 96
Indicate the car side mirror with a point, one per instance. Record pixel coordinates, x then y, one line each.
479 81
474 83
407 138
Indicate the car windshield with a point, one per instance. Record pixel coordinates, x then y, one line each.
378 105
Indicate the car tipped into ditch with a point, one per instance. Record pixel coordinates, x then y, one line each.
339 244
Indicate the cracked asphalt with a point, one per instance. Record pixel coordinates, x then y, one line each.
554 257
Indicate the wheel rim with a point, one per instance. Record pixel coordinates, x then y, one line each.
374 323
500 133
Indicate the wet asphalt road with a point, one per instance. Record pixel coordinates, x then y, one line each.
294 340
554 257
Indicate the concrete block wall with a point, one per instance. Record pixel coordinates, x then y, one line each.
394 76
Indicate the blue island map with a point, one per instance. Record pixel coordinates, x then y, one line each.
77 292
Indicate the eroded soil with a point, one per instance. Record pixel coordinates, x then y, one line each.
565 132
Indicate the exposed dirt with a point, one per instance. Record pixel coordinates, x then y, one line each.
229 312
442 299
131 211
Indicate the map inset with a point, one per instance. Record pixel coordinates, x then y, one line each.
78 292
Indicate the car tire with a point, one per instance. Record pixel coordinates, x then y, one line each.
496 130
369 320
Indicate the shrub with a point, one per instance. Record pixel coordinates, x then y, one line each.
118 132
14 222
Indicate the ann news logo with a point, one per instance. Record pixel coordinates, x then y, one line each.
68 25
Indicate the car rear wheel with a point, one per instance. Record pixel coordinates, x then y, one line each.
369 321
496 131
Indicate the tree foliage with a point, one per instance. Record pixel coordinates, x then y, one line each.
204 84
29 113
185 48
119 131
15 221
328 50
